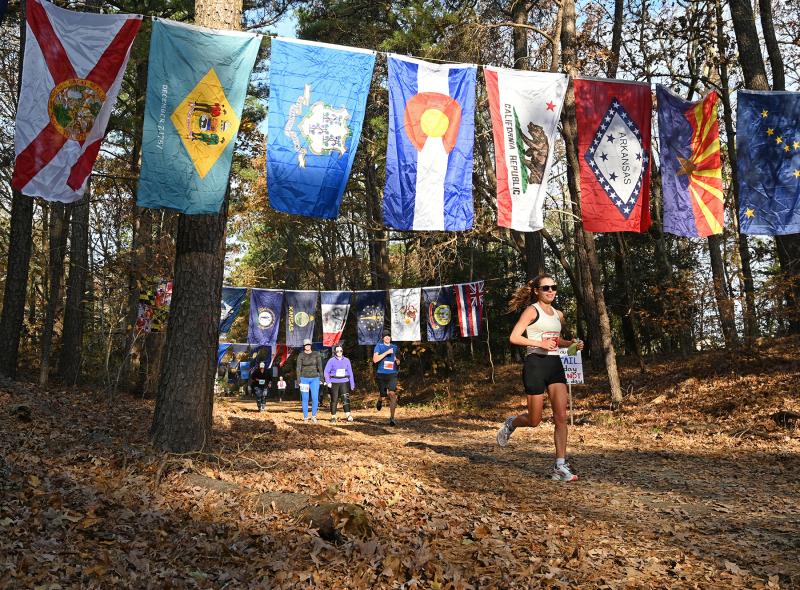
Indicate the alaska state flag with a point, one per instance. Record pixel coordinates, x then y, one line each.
232 298
691 170
768 154
429 152
317 99
614 148
196 84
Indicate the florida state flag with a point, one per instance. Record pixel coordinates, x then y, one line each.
614 149
72 72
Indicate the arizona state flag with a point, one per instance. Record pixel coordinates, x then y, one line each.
614 149
691 170
196 84
71 75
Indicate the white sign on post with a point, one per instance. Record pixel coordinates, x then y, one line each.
573 366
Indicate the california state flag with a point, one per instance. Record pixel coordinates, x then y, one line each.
72 72
525 108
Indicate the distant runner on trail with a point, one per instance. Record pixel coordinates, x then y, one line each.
385 357
539 330
339 377
259 381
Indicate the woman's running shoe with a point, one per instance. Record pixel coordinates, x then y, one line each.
563 473
505 432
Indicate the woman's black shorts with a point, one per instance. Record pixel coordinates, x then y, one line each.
541 370
386 382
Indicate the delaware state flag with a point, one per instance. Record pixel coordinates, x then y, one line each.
614 147
691 169
72 73
429 152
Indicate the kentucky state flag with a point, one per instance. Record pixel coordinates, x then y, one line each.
525 108
265 316
335 306
232 298
317 99
439 303
72 72
691 169
614 147
768 154
300 309
196 85
429 152
370 314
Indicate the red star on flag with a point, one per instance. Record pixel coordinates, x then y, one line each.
551 106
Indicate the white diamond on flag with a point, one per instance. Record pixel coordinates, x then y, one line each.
617 158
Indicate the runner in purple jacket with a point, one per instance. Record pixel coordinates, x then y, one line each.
339 377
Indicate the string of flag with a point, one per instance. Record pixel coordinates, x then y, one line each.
445 311
197 82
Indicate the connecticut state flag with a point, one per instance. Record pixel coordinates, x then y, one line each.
429 152
691 170
72 72
317 99
196 85
614 148
768 154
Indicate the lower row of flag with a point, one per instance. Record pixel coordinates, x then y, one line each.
447 310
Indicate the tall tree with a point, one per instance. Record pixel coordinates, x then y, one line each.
59 227
19 256
586 253
185 397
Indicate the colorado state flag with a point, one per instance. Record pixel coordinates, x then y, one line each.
429 152
768 154
691 170
196 84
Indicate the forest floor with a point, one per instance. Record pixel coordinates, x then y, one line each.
693 485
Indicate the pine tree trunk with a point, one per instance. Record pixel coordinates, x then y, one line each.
724 302
185 398
19 258
69 363
59 221
586 248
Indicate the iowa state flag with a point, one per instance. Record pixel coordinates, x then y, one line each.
614 149
429 151
196 85
317 99
469 302
525 108
71 75
691 169
768 154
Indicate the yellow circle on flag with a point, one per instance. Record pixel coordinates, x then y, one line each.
434 123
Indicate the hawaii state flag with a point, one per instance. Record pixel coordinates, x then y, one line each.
768 155
370 314
614 148
525 108
439 304
317 100
72 72
405 314
335 307
429 151
265 316
197 81
469 302
691 170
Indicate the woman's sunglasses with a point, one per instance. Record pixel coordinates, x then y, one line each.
546 288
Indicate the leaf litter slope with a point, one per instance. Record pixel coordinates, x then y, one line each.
693 485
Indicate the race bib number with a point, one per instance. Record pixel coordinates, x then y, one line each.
305 387
388 365
341 372
262 381
281 385
551 336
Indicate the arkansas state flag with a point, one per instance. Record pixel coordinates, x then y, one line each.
691 169
614 148
335 307
469 301
429 149
72 73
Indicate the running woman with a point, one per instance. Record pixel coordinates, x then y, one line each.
259 381
539 330
385 357
309 371
339 377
